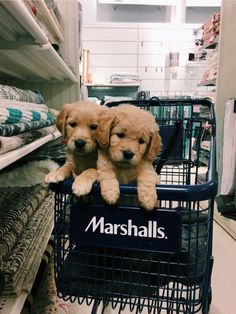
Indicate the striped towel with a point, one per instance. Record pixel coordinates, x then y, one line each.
8 103
12 111
15 115
9 143
21 127
12 92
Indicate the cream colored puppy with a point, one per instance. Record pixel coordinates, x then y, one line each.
78 122
129 141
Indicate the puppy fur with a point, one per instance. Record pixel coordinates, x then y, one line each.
78 123
129 141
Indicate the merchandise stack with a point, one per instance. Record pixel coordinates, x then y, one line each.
210 35
211 30
24 118
125 78
26 221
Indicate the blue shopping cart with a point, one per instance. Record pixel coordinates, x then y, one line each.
159 261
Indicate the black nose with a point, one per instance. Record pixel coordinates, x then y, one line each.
128 154
79 144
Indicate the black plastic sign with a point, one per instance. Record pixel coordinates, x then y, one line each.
128 228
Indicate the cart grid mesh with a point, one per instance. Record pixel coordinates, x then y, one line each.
140 279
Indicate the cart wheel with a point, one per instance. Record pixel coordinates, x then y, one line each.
207 304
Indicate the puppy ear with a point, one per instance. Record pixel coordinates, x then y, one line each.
155 146
104 127
61 119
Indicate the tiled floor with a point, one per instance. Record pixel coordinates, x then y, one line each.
223 278
224 273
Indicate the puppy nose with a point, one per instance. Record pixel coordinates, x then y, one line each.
79 144
128 154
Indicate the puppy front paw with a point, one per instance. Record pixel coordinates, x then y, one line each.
110 191
54 177
111 196
147 200
81 186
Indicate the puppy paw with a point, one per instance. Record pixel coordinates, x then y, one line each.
54 177
111 196
149 202
81 186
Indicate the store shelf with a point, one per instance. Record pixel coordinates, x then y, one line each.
24 26
10 157
25 51
229 225
128 85
47 15
203 3
208 83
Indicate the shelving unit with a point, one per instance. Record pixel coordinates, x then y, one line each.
29 61
47 15
128 85
208 83
10 157
100 90
25 50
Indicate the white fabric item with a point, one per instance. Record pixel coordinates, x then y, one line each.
9 103
229 149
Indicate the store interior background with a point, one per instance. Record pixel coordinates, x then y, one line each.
139 38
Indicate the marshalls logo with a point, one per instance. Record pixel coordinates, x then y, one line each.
152 230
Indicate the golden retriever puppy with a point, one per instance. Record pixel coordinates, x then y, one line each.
78 124
129 141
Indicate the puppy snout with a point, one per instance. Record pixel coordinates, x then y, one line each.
128 154
80 144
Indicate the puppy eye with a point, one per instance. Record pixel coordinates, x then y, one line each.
73 124
141 141
120 135
93 126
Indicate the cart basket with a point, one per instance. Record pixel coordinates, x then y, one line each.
128 257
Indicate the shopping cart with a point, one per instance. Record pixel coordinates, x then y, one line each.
159 261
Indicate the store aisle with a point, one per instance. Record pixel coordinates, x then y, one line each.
223 278
224 273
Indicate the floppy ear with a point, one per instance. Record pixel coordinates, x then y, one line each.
61 119
155 146
104 127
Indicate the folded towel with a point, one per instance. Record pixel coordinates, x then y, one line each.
9 103
12 92
9 143
21 127
16 115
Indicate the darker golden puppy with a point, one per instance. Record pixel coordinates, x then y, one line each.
129 141
78 122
